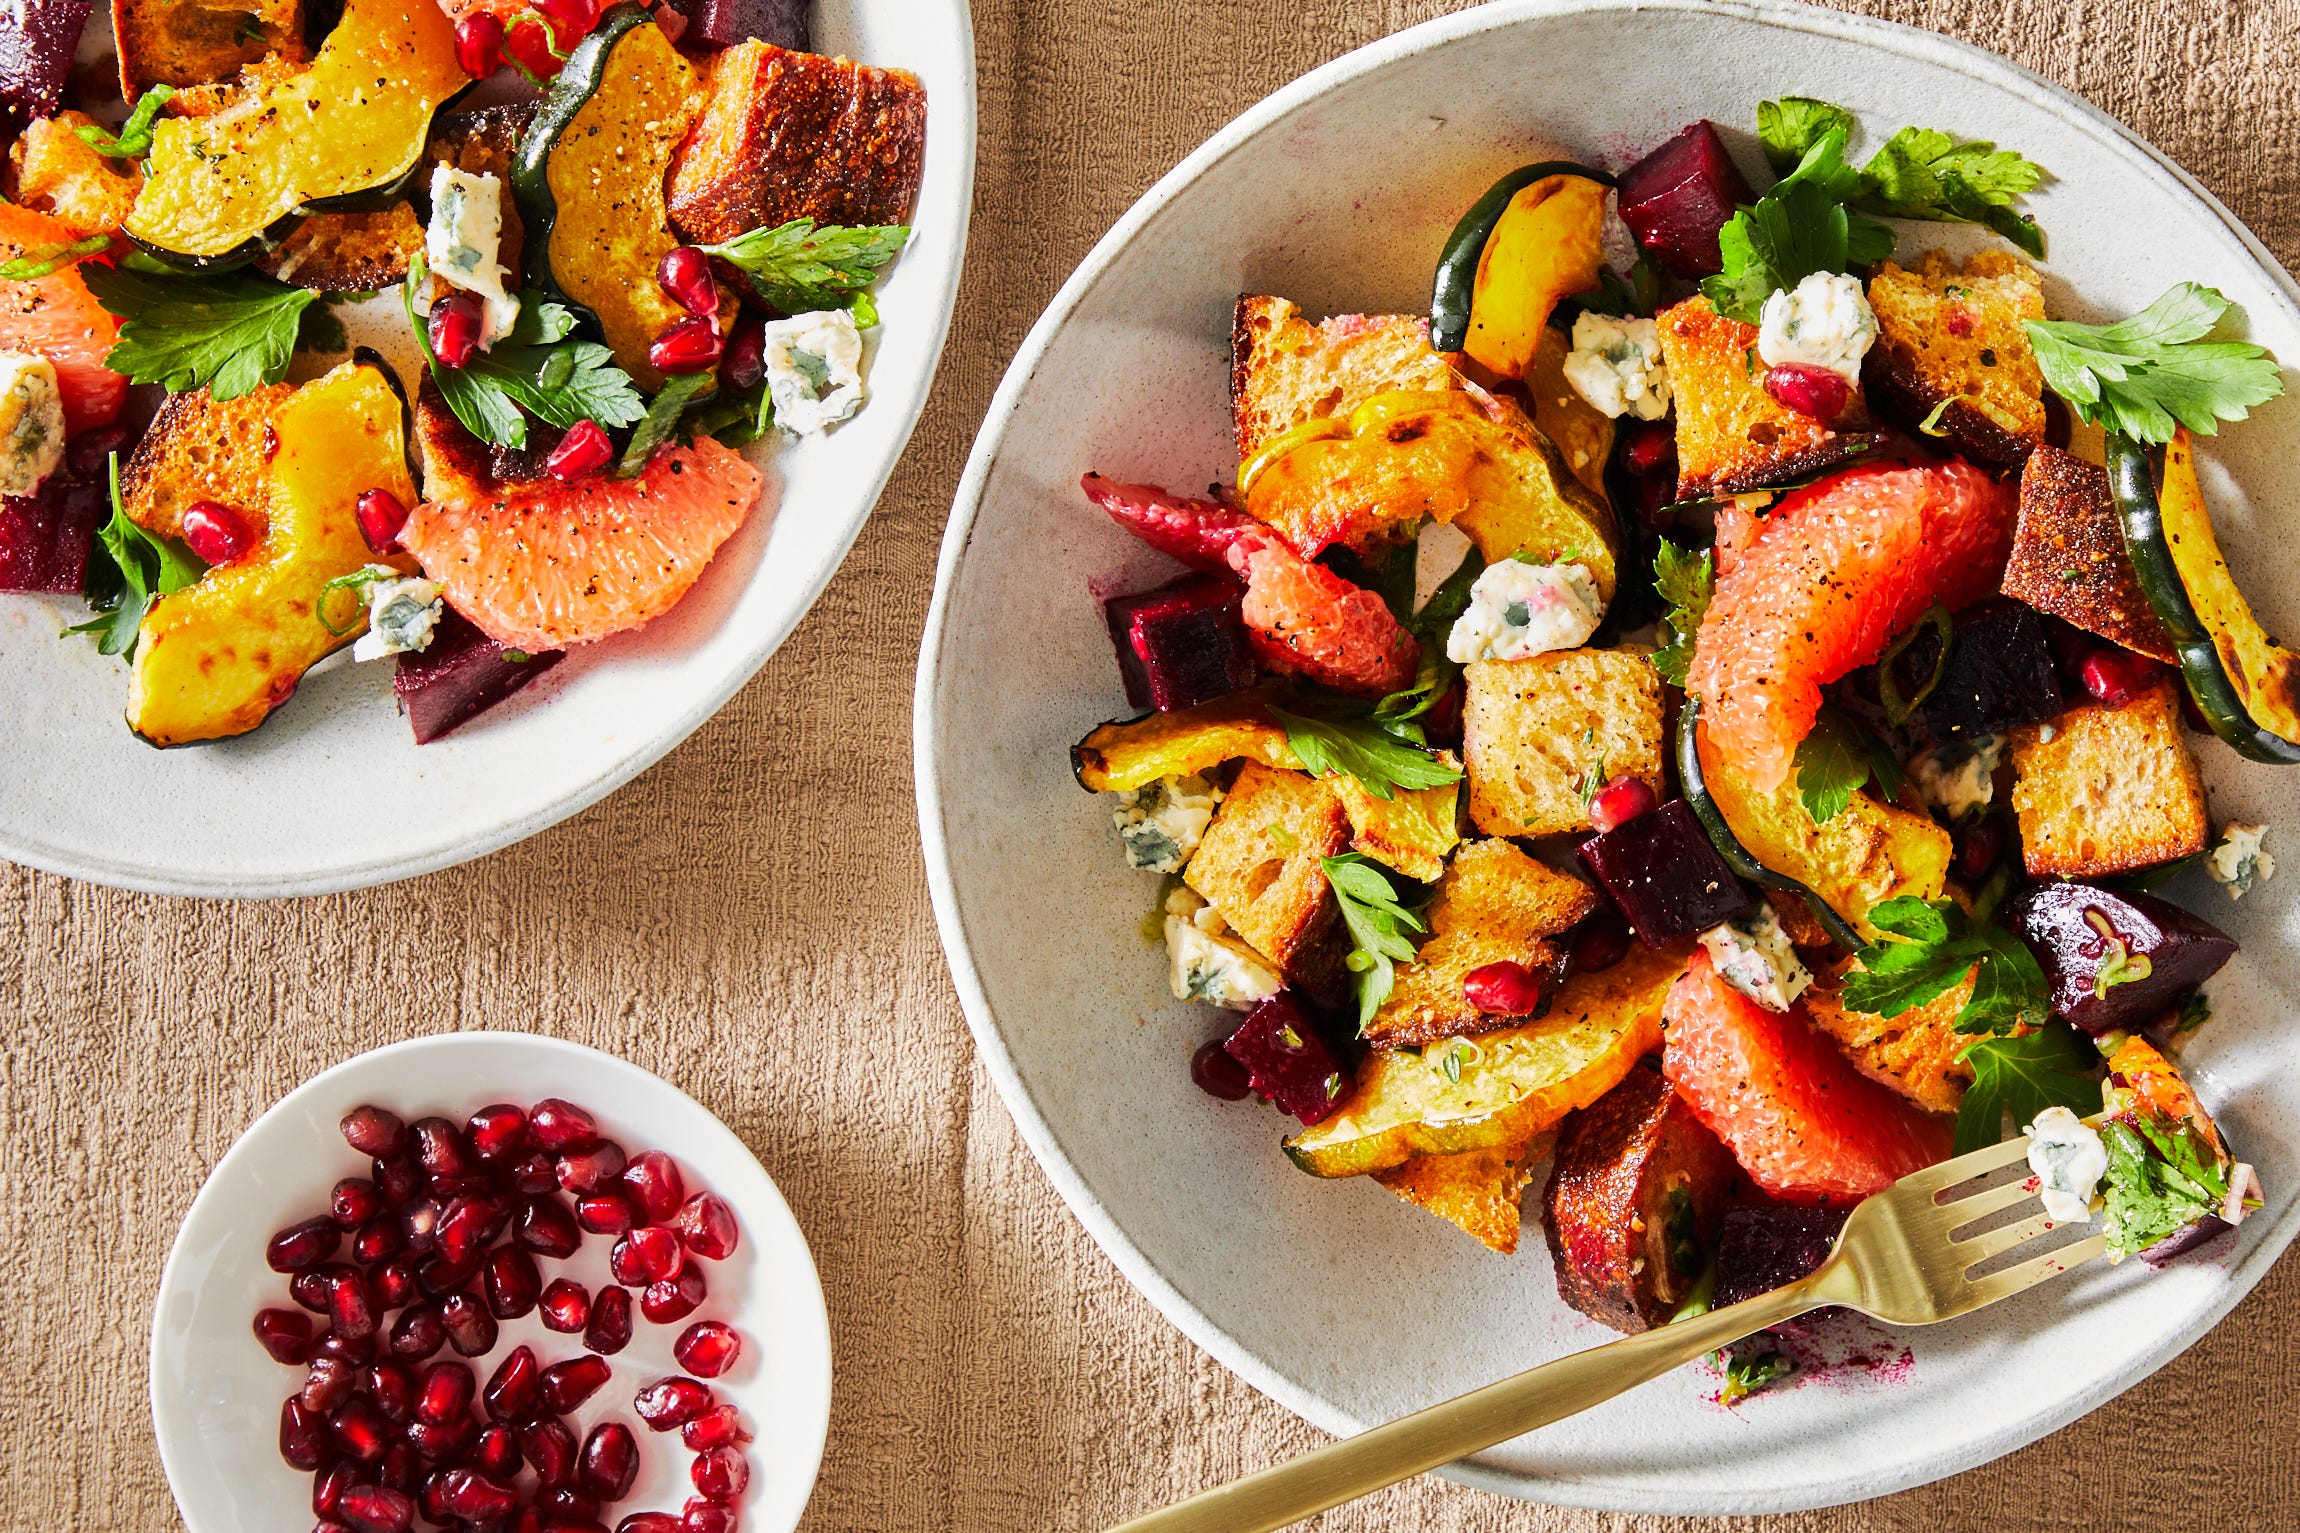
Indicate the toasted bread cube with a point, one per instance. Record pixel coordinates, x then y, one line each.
1478 1190
197 449
1732 436
786 135
348 252
1285 371
1945 334
1495 905
1537 732
2104 790
1411 830
2068 556
1258 862
54 170
1915 1053
194 42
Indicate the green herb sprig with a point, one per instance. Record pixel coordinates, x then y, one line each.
535 369
1688 583
2143 375
137 569
229 332
1920 173
1838 759
1378 924
2014 1079
1358 747
1928 949
2162 1176
799 267
134 140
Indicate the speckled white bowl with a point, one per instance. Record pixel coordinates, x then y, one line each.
333 792
1339 1300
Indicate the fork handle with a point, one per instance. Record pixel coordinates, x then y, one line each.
1384 1455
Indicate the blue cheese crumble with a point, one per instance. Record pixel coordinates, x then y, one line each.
1159 823
814 370
31 422
1755 957
463 239
2069 1160
1517 610
2238 860
1208 964
1959 780
1616 364
1824 321
402 612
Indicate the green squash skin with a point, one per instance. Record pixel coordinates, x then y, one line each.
1457 268
577 81
1695 782
2132 485
231 260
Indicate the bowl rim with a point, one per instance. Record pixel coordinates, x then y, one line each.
805 1305
1134 1263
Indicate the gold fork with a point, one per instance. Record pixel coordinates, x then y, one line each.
1906 1257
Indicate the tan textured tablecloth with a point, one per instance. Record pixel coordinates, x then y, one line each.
750 920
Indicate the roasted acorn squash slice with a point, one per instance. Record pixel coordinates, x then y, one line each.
217 657
220 187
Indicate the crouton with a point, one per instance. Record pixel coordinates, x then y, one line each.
1732 436
1915 1053
1478 1190
1411 830
1258 862
2068 556
54 170
1494 905
1945 334
347 252
193 42
784 135
458 466
1539 733
1285 371
197 449
2104 790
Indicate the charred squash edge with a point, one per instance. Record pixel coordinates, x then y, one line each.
1695 783
1456 284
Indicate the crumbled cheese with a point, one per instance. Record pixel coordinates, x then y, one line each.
1208 963
402 612
31 422
1824 321
1518 609
1616 364
1755 957
2069 1160
464 238
2239 860
814 370
1959 780
1160 823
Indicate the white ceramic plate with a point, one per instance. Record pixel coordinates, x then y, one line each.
216 1395
1339 1300
333 793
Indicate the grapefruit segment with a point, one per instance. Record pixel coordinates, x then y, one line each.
56 317
544 566
1805 1124
1305 620
1824 583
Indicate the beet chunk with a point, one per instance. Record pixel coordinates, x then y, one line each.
37 40
1182 644
725 23
1677 198
1999 673
1288 1059
1665 875
2081 933
46 538
1762 1246
461 675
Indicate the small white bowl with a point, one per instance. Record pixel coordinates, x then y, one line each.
216 1394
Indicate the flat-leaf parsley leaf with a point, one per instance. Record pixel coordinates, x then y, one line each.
1377 924
2141 375
230 331
799 267
1687 583
2021 1077
1929 947
1361 748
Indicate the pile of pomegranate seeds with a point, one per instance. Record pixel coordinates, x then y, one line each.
446 1239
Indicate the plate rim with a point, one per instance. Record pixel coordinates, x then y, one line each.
1135 1264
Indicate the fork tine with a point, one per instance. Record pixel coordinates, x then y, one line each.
1936 1179
1964 1211
1999 1285
1995 1242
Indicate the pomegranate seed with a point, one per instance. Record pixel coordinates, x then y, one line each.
656 1252
565 1507
557 1126
442 1149
324 1388
431 1500
479 44
1620 801
671 1402
535 1175
360 1429
350 1311
1978 849
550 1449
402 1469
419 1222
528 44
285 1334
1603 942
513 1282
715 1428
466 1226
547 1228
443 1442
378 1509
439 1277
309 1289
689 346
456 324
567 1385
707 1348
1814 391
303 1435
353 1202
392 1387
476 1497
396 1282
701 1516
1958 320
2115 677
720 1473
379 1240
570 19
497 1132
582 452
605 1213
745 361
654 1182
673 1299
380 515
1218 1074
566 1306
649 1522
470 1329
515 1388
418 1333
686 275
357 1352
497 1450
1649 448
592 1169
303 1245
707 1226
374 1131
399 1178
445 1392
328 1487
1503 989
610 1462
609 1330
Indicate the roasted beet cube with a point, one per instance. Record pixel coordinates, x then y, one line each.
1665 875
36 56
1677 198
1182 644
461 675
1286 1059
2092 942
45 539
725 23
1999 673
1762 1246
